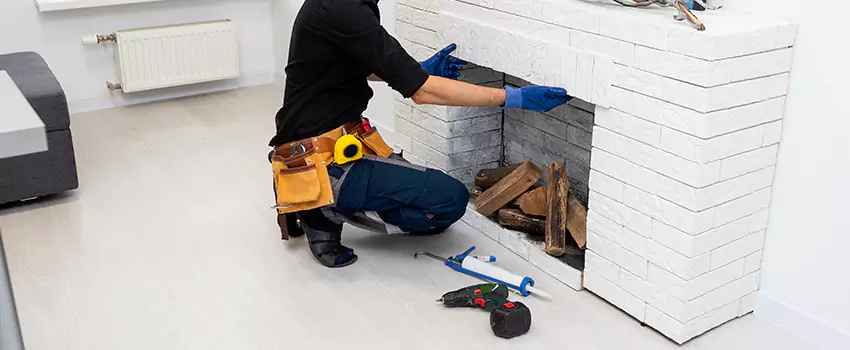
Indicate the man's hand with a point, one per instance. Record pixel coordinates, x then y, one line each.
443 65
535 98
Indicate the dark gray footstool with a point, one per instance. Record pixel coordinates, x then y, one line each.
48 172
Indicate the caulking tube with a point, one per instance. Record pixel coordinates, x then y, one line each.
491 272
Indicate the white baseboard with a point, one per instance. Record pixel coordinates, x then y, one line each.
800 324
118 99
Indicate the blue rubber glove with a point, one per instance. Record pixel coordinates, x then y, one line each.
535 98
443 65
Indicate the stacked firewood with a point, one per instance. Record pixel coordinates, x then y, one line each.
549 212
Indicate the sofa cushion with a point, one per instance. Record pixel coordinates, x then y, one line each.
40 174
36 81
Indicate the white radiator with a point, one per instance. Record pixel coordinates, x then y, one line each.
159 57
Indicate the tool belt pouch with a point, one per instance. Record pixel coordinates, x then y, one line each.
375 144
302 182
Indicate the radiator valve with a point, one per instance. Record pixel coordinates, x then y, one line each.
97 39
114 86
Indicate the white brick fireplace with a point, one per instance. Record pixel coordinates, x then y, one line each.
687 127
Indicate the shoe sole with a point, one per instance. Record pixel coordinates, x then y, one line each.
353 260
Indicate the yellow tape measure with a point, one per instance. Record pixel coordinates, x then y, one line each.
347 148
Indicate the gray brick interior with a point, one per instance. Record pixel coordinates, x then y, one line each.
560 135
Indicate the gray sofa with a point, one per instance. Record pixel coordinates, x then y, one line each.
48 172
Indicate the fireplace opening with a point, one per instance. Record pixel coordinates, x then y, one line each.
562 135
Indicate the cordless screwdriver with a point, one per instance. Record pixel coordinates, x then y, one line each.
507 319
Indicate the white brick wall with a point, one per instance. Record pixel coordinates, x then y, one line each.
753 262
777 35
457 128
607 186
624 258
682 332
676 263
705 151
426 5
562 12
687 131
648 34
415 16
615 295
693 245
712 73
620 213
417 51
419 35
737 250
748 304
630 126
698 98
668 164
686 290
748 161
620 51
689 121
772 132
448 162
600 266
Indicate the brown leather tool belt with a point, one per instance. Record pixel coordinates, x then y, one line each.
300 168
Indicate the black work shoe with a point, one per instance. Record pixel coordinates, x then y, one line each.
327 249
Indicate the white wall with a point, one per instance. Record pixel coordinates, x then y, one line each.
83 70
380 109
805 284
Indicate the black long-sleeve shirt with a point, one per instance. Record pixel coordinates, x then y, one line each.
335 46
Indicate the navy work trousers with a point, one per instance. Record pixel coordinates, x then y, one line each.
413 198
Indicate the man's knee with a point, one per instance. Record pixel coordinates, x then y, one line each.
459 199
455 199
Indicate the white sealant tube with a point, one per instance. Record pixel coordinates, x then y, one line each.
538 292
493 271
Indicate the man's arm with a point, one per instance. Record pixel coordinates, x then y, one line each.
447 92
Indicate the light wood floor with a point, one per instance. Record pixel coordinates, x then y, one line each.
170 244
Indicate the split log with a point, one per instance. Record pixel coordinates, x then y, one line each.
516 220
486 178
577 220
508 188
556 218
533 202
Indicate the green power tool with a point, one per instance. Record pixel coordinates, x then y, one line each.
507 319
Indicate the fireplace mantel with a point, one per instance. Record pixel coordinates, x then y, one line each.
686 133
